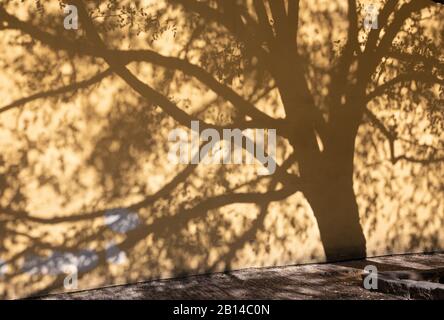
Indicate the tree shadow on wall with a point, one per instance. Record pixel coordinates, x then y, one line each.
85 179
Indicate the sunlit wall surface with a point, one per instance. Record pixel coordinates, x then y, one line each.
85 115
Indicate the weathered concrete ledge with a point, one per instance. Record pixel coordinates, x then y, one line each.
341 280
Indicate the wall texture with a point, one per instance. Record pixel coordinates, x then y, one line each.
85 179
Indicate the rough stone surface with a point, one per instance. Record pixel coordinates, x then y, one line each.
413 284
342 280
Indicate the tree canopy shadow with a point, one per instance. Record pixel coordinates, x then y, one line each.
84 173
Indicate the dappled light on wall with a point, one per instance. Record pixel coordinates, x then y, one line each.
87 186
